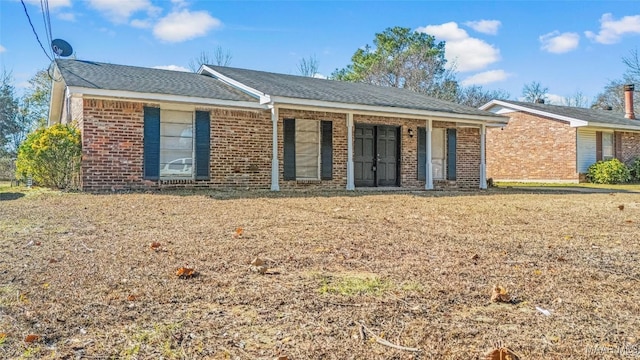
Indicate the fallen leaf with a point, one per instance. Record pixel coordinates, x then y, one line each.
3 336
185 272
621 207
132 297
283 357
500 295
155 245
31 338
628 221
239 232
38 243
52 260
502 353
475 257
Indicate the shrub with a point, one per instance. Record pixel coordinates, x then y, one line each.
51 156
611 171
635 169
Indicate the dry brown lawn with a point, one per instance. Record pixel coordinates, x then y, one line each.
77 271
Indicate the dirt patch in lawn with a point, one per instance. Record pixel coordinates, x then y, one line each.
347 276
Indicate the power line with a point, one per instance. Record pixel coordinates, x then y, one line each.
46 16
34 30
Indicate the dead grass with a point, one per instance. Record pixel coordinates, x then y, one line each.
417 269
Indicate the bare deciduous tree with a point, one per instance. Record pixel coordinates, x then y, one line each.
534 92
308 66
613 94
219 57
577 99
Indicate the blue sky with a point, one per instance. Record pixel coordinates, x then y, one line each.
567 46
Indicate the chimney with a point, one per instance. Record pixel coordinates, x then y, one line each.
628 102
539 101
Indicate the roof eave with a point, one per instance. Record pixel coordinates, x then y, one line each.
104 93
616 126
573 122
57 99
387 110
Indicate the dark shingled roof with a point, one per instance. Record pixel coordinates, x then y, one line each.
95 75
589 115
308 88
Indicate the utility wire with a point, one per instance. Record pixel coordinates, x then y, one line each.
34 30
44 7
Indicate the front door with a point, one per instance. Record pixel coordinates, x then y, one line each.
375 157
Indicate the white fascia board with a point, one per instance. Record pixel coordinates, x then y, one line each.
612 127
389 111
162 97
573 122
57 100
264 98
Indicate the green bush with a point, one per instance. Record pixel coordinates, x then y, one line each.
611 171
51 156
635 169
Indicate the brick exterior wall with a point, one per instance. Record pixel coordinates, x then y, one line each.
630 147
111 145
468 158
241 150
532 148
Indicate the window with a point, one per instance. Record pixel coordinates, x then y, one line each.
176 145
443 153
308 149
607 146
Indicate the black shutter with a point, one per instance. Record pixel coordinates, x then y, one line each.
422 153
326 151
203 142
289 149
451 154
151 144
598 145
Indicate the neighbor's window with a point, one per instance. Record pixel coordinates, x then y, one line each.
607 146
176 144
307 149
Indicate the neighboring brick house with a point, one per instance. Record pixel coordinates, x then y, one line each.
549 143
236 128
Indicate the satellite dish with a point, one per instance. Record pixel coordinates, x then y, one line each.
61 47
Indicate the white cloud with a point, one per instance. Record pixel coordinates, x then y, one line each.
612 30
447 31
172 67
557 43
119 11
53 4
2 49
485 26
184 25
319 76
179 4
67 16
462 51
554 99
141 24
486 77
